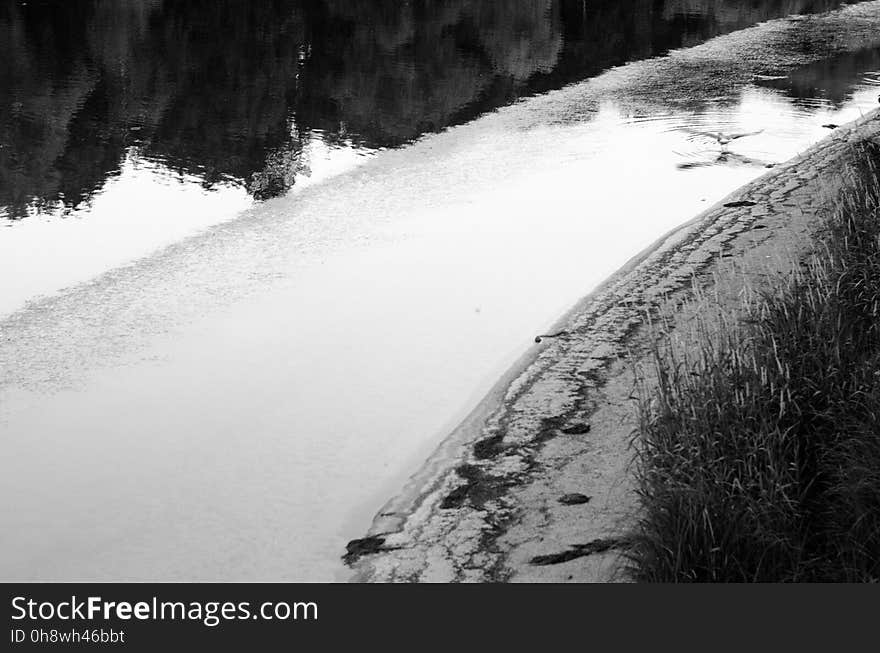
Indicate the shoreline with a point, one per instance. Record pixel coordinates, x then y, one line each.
486 506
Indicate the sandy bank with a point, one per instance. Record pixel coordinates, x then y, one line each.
534 485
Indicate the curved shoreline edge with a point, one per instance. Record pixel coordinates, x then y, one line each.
486 505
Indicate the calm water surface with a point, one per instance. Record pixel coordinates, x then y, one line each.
259 258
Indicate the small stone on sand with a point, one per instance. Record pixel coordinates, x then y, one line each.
574 499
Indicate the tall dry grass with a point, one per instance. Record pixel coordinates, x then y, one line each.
758 450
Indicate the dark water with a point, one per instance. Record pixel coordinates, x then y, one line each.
229 90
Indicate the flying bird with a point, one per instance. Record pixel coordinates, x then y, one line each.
723 138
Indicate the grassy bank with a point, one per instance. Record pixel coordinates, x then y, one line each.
759 440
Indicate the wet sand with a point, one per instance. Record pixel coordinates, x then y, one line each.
535 485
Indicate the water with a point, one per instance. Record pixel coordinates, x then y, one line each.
259 261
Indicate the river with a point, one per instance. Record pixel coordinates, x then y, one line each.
258 262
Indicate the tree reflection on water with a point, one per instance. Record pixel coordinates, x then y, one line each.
229 90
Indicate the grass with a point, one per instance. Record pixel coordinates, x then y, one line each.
758 450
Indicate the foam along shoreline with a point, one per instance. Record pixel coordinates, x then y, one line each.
486 504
